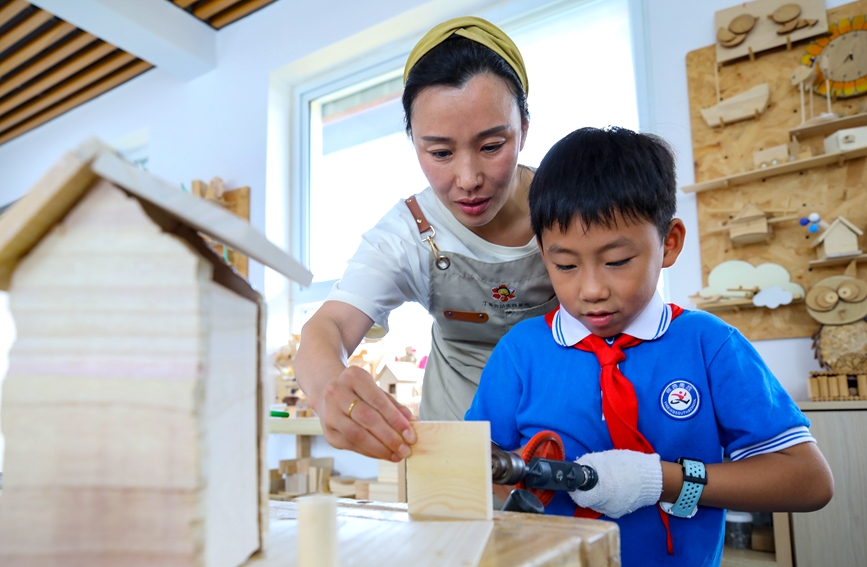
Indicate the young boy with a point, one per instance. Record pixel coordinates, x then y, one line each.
632 385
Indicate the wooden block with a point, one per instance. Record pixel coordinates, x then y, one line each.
768 155
823 388
317 531
862 386
383 492
362 489
814 388
296 483
449 472
387 471
276 482
833 389
843 385
763 538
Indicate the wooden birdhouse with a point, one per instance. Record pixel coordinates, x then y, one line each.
402 380
839 240
133 407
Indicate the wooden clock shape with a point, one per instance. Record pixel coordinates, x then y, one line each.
841 59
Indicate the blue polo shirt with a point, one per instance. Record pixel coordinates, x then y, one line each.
703 391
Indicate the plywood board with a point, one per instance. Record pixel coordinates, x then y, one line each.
764 35
719 152
449 472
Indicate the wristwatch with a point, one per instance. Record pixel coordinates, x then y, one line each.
694 479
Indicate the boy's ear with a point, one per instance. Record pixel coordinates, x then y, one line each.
673 243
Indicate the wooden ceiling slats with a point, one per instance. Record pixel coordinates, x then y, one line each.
93 91
25 27
66 89
233 14
211 7
184 3
85 58
12 9
37 66
36 46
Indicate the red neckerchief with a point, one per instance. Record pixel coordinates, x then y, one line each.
619 403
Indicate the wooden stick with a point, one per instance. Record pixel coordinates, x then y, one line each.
828 94
803 110
317 531
862 386
752 55
843 386
788 42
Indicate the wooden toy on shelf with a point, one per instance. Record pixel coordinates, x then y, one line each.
740 285
287 389
841 57
839 305
134 403
743 106
750 224
837 244
751 27
403 380
236 201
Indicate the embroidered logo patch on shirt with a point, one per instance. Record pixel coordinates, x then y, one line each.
680 399
503 292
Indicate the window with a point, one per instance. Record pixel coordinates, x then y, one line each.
360 163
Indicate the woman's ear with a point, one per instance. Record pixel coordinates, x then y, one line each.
673 242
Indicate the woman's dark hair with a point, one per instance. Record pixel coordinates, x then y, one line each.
593 174
453 63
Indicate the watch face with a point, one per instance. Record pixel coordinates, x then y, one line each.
841 58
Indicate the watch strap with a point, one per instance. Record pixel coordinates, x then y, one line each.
694 479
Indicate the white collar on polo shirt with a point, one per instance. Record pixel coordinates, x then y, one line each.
649 325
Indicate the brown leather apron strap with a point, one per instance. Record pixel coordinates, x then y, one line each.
421 221
466 316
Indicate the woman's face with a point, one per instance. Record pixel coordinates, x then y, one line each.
467 140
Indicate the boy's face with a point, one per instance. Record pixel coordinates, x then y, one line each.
606 276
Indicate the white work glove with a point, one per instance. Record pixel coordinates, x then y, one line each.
628 480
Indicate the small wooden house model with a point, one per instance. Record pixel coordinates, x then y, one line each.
133 408
839 240
751 225
402 380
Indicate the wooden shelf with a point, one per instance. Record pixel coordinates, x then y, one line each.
837 261
833 406
295 426
829 127
746 558
775 170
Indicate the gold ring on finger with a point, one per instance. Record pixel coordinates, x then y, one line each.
352 405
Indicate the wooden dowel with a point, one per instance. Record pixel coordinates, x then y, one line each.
843 386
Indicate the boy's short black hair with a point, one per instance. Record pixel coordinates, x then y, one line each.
592 174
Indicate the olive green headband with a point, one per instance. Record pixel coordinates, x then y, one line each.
478 30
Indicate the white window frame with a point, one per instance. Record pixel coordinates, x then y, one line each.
363 56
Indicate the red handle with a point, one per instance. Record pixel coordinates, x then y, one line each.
546 445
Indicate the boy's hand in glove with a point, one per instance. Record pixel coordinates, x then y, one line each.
628 480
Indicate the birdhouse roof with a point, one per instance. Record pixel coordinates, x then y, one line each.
30 218
749 212
402 371
834 226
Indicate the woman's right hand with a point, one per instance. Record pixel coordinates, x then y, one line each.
354 412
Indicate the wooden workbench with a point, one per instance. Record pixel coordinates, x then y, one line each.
518 540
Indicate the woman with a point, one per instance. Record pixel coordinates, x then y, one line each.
463 248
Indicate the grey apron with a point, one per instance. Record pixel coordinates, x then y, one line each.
473 304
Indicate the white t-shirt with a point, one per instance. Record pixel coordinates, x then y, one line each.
391 265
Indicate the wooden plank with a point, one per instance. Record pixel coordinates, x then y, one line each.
764 35
211 7
201 215
90 78
235 14
851 405
12 9
20 31
79 98
39 66
449 472
518 540
829 127
230 428
761 174
38 45
295 426
184 3
84 58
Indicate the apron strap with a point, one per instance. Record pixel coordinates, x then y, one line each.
421 221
